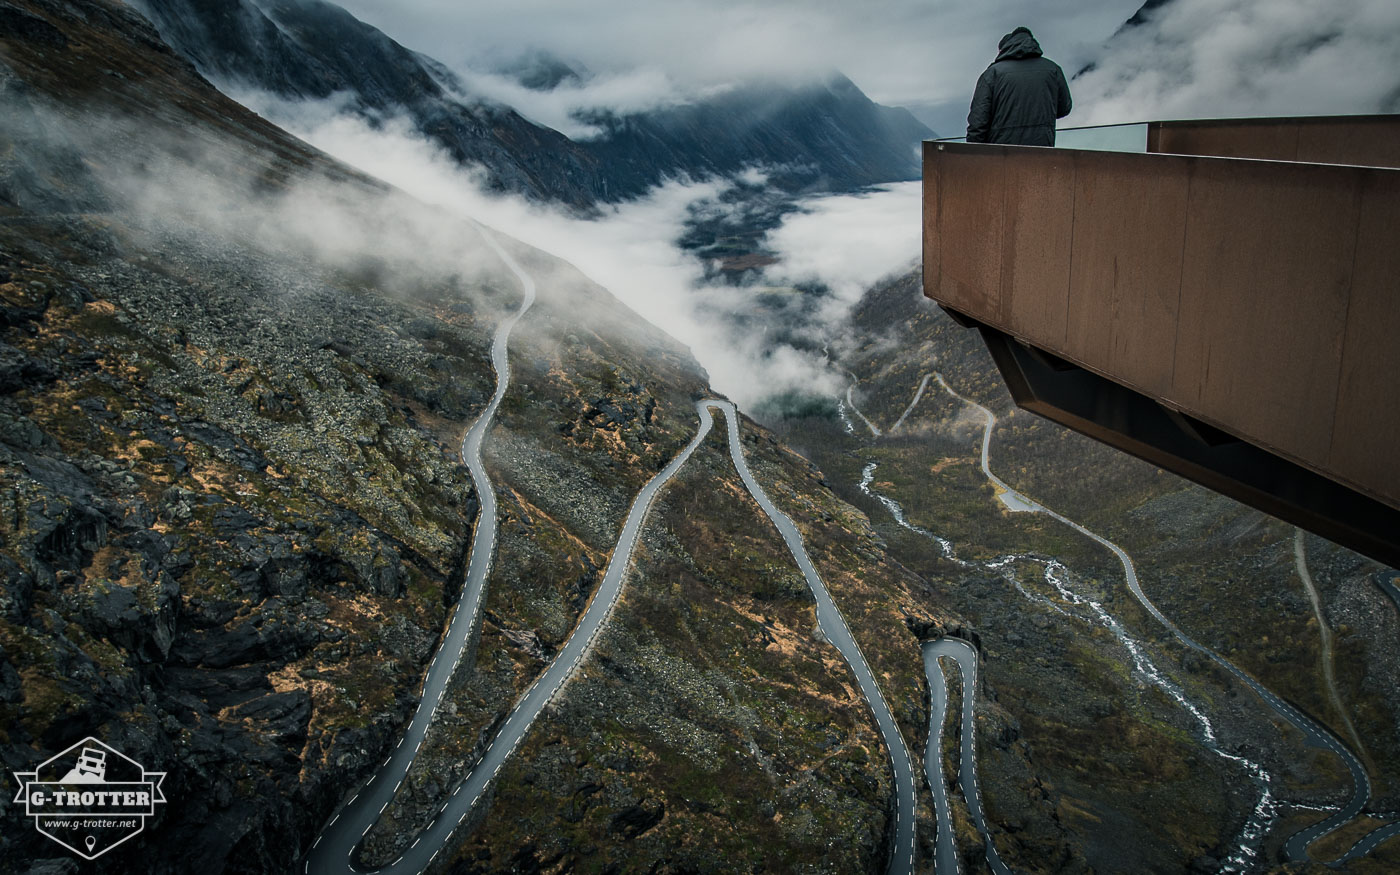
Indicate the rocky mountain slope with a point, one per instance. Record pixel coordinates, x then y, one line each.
826 135
233 377
312 50
1087 764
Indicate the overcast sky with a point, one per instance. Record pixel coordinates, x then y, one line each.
916 53
1198 58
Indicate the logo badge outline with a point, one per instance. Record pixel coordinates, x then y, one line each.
83 795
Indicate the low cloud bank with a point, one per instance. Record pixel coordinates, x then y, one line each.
842 242
1223 58
900 52
568 106
850 242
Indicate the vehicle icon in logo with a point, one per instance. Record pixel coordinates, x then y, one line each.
90 798
91 768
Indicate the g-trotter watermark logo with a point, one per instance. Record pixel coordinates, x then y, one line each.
90 798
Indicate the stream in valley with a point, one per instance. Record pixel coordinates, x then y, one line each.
1070 602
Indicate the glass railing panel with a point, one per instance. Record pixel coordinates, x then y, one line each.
1104 138
1098 138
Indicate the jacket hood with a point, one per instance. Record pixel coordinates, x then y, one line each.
1018 44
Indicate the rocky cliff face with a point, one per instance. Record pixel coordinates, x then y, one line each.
233 377
826 136
196 566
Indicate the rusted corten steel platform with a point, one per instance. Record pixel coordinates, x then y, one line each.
1362 140
1233 319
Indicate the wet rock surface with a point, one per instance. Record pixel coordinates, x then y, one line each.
222 588
226 548
233 521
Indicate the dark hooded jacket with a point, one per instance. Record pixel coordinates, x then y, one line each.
1019 96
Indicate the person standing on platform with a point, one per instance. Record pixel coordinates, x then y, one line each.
1019 97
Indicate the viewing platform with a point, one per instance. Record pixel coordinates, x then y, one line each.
1220 298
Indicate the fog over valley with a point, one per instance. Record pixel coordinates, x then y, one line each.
843 242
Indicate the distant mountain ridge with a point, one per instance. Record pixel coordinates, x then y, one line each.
311 50
1144 12
823 136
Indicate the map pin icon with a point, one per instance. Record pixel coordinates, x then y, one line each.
90 842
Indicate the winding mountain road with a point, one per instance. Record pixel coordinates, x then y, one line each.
834 627
851 403
528 707
945 855
333 851
1315 734
923 384
1367 843
1329 674
1389 582
946 861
